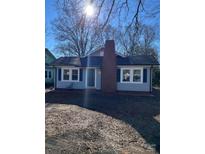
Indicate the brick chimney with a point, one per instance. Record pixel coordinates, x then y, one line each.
109 67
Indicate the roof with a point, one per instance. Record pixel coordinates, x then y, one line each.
92 61
137 60
49 53
101 50
96 61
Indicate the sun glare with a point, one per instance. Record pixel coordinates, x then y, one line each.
89 10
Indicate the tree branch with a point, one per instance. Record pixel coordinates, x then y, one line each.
110 11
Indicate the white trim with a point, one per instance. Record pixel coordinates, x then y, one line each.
141 75
121 75
47 71
133 66
70 74
86 74
131 74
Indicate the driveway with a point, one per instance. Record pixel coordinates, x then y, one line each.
92 122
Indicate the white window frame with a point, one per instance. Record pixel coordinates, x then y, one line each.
77 74
141 75
70 74
47 74
122 75
62 74
131 75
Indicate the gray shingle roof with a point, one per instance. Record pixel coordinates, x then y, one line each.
96 61
92 61
64 61
76 61
137 60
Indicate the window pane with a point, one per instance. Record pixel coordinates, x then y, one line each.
45 74
66 74
74 74
136 75
126 75
49 75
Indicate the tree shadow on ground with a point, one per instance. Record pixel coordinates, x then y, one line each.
137 111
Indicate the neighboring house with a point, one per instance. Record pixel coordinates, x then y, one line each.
49 70
105 70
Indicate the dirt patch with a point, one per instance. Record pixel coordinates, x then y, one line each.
73 129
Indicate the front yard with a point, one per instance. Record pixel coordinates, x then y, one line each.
91 122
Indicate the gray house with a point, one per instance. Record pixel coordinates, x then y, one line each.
49 71
105 70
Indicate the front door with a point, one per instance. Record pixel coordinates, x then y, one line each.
91 78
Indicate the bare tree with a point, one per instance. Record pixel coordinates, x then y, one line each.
130 40
79 35
130 10
76 34
139 41
107 8
148 37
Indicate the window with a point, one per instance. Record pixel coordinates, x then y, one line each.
137 75
126 75
74 74
66 74
46 74
70 74
49 74
131 75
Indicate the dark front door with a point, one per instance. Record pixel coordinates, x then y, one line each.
91 77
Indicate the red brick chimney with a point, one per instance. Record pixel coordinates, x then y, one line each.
109 67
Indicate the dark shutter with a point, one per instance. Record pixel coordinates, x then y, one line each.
81 74
118 75
59 74
144 75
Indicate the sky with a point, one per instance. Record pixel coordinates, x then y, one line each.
50 14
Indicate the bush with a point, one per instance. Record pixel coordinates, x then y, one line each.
156 77
49 85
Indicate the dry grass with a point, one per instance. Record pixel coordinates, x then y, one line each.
92 122
72 129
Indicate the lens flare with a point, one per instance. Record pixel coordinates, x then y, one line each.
89 10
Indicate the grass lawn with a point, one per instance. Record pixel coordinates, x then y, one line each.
92 122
